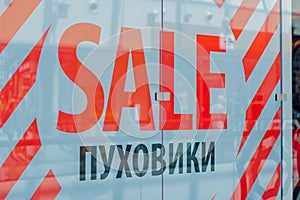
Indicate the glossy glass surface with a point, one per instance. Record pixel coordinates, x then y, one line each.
241 72
142 99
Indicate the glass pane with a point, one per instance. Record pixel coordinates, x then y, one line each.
222 125
78 109
295 88
145 99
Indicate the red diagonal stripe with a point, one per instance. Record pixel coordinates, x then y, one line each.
219 3
273 187
20 157
242 16
20 83
13 19
261 40
214 197
260 99
258 160
48 189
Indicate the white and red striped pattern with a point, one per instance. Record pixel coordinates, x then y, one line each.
11 21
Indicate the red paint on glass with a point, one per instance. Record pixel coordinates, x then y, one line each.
169 120
242 16
24 78
219 3
260 99
273 187
13 18
261 40
130 42
19 158
258 160
81 76
206 80
48 189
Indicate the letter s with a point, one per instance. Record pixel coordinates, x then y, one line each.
81 76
